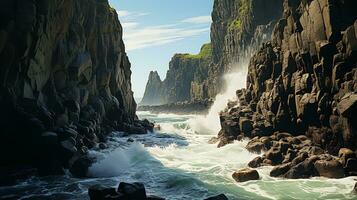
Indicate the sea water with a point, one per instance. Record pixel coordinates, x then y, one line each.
177 162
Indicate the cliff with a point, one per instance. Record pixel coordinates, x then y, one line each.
237 26
65 81
301 93
180 84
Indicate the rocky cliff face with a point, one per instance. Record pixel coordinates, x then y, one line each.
302 82
183 79
237 26
65 80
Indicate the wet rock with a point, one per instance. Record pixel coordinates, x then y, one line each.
280 170
329 169
100 192
255 146
80 167
218 197
256 162
274 155
246 174
132 190
344 154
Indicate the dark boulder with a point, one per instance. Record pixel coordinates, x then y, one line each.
100 192
280 170
218 197
132 190
256 162
246 174
329 169
80 167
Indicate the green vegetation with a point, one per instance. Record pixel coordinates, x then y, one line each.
244 9
206 52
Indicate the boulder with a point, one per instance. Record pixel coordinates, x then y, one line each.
132 190
329 169
80 167
280 170
256 162
344 154
246 174
255 146
100 192
348 105
218 197
274 155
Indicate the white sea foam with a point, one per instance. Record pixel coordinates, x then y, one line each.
210 123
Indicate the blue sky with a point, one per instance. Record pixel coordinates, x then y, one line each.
154 30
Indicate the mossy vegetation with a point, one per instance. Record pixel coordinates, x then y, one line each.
206 52
244 9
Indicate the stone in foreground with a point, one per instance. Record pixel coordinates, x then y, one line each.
218 197
245 174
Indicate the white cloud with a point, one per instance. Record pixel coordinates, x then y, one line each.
123 13
142 37
198 20
137 36
128 15
129 25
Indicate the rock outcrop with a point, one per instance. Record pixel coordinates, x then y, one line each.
65 82
302 82
125 191
180 84
238 25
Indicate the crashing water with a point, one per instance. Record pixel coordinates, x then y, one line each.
177 163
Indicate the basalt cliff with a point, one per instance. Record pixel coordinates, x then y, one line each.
300 101
65 84
238 25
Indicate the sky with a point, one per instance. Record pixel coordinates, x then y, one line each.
154 30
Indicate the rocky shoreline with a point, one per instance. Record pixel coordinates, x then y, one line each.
301 94
129 191
184 108
65 85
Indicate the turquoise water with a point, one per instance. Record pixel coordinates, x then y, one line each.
178 163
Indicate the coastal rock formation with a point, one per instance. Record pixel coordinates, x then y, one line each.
246 174
180 84
238 26
301 93
65 82
125 191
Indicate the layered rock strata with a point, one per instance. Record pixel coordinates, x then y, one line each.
65 82
301 93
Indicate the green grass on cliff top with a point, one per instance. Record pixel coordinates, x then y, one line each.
244 9
206 52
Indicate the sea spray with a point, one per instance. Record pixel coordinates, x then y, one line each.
210 123
117 161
